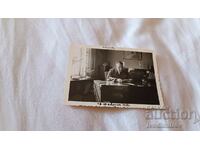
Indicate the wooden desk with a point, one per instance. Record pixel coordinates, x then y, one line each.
81 90
124 93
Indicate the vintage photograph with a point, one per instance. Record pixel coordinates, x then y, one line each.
113 77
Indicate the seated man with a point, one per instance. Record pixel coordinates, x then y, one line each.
118 73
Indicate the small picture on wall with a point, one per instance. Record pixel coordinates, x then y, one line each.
102 77
132 56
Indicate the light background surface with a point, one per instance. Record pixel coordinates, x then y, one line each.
33 68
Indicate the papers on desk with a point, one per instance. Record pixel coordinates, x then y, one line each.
117 84
129 84
111 83
138 85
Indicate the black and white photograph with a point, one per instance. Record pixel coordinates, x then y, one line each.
112 77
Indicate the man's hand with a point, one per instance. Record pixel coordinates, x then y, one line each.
119 80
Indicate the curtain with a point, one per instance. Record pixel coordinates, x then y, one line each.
83 62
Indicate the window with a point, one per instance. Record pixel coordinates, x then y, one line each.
83 63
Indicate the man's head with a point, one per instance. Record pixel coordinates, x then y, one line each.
119 66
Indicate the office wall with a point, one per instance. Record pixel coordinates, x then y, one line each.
113 56
102 56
